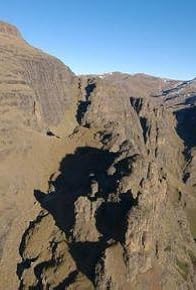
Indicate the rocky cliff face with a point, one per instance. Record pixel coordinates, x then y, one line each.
38 96
106 195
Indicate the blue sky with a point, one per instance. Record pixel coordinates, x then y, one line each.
154 37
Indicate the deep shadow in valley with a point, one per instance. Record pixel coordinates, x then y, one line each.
186 126
83 104
186 129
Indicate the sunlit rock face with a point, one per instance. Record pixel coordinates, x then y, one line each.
9 30
97 176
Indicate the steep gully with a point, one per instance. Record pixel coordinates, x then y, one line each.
186 121
79 173
85 174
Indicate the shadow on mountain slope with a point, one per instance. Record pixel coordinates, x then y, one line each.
77 172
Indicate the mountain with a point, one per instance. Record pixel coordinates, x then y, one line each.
97 176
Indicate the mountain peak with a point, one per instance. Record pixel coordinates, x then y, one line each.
9 29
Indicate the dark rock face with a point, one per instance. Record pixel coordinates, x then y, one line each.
118 211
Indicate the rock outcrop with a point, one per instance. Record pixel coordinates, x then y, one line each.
109 202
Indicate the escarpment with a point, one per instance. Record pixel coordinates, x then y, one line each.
38 94
98 187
